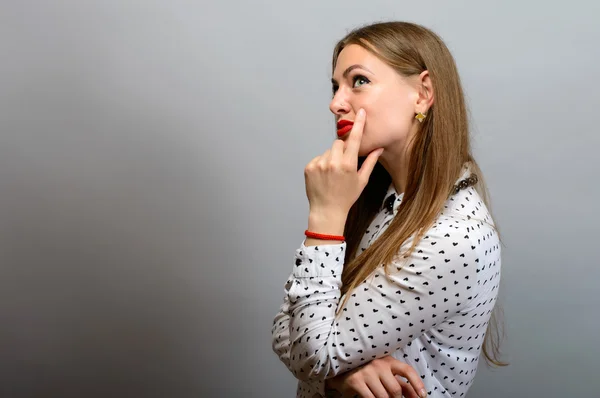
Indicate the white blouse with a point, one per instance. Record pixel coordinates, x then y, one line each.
431 313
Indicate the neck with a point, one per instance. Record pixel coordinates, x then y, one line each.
395 161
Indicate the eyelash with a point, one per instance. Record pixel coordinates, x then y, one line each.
354 79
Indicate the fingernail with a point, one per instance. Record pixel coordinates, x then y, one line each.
361 112
423 393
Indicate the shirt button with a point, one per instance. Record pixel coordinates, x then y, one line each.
389 203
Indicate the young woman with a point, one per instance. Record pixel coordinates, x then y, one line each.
392 291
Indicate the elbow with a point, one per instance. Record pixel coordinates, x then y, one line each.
306 367
275 348
279 348
307 373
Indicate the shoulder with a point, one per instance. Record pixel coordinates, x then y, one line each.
464 233
466 208
455 238
446 248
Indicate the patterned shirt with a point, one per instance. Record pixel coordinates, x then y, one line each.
431 312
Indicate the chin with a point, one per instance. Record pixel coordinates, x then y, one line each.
364 152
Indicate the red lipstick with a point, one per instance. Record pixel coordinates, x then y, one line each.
344 126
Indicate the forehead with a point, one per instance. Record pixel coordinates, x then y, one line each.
354 54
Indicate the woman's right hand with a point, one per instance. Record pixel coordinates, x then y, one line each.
377 379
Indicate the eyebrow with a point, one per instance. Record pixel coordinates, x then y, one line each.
350 69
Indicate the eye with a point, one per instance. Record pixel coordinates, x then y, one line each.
359 78
355 79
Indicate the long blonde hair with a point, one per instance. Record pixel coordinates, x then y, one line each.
435 157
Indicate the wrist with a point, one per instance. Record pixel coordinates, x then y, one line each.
328 223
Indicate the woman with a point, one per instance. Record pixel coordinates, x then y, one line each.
393 289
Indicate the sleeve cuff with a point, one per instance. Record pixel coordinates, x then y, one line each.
321 260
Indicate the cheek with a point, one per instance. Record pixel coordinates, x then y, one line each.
386 123
390 113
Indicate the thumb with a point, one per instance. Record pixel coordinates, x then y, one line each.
368 166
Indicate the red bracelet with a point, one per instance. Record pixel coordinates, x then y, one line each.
322 236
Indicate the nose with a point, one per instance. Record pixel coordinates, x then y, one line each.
339 106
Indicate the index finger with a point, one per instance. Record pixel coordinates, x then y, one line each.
355 135
402 369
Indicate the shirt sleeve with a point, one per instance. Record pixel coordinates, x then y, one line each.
280 334
382 314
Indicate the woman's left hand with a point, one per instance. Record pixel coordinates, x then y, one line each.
332 181
377 379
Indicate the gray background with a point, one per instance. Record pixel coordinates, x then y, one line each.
152 190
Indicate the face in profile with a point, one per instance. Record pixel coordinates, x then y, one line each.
362 80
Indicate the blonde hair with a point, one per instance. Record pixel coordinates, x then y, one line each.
435 157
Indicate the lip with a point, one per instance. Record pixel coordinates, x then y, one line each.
344 126
344 130
344 123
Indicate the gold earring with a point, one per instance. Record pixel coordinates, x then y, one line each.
420 117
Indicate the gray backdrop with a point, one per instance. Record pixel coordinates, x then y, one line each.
152 189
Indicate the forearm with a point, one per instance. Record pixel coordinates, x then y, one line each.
280 335
281 341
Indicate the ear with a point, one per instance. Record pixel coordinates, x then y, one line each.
425 93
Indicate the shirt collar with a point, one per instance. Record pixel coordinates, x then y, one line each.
465 172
